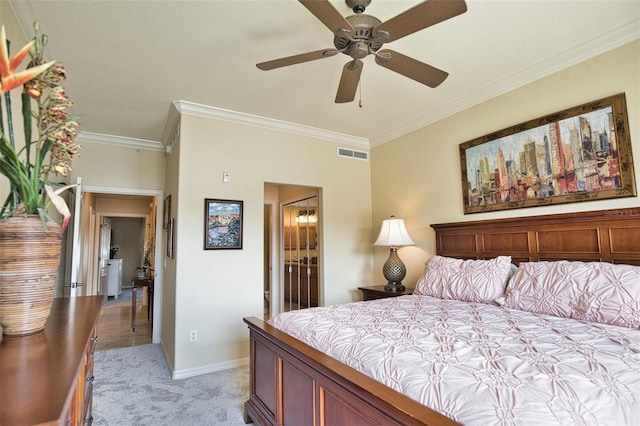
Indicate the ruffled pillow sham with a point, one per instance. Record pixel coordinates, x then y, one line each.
466 280
590 291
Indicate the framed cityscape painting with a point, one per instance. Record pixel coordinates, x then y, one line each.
579 154
222 224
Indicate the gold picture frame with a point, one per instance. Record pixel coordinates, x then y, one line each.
579 154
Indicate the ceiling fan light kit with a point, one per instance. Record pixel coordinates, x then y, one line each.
360 35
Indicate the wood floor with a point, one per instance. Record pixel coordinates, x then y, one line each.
114 324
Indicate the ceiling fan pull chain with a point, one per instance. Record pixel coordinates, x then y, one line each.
360 101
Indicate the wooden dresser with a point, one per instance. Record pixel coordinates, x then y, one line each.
47 378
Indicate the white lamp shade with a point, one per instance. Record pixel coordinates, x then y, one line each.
393 234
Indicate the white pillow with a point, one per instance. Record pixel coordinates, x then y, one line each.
590 291
467 280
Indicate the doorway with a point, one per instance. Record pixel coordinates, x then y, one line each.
292 248
128 240
118 204
125 257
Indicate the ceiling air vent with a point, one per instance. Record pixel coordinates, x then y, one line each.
351 153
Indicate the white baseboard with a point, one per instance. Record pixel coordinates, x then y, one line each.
206 369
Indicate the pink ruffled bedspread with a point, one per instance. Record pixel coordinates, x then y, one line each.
482 364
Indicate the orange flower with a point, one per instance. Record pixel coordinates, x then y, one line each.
33 89
8 79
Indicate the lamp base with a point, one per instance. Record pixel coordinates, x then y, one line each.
394 286
394 271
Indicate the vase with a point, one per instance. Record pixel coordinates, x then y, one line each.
29 259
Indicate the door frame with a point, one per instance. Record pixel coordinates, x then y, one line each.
274 289
157 283
76 251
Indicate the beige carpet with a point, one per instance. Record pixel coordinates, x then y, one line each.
133 387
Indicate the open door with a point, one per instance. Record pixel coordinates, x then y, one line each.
77 288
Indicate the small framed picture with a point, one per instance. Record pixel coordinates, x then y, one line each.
166 212
222 224
170 238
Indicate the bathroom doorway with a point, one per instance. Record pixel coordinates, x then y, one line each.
292 248
300 248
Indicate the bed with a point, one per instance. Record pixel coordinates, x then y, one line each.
586 362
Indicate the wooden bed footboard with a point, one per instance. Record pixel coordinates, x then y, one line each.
292 383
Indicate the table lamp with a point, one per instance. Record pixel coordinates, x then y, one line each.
394 234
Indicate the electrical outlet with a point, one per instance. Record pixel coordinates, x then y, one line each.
193 336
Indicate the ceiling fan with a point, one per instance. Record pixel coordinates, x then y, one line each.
360 35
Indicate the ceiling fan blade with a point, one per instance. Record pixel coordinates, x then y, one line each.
419 17
296 59
328 15
414 69
349 81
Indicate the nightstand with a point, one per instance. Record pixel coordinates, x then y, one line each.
378 292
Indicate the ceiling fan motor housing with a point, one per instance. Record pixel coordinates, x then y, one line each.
363 42
354 36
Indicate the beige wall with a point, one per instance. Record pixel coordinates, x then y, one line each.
170 265
119 167
418 176
214 289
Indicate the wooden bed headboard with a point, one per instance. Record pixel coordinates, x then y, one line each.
607 236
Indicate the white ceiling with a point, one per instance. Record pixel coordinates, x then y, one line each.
128 60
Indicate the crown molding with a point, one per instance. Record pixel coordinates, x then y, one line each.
185 107
624 34
89 137
25 17
613 39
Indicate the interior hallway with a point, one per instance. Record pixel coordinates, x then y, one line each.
114 324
